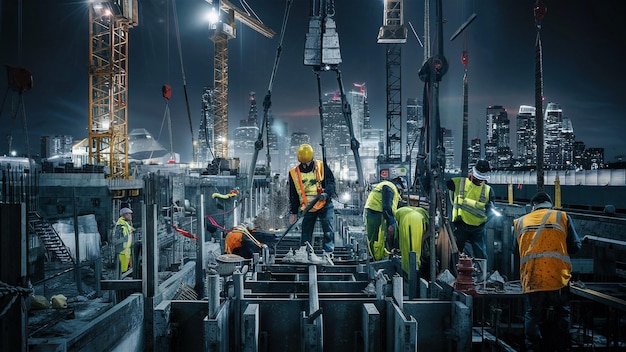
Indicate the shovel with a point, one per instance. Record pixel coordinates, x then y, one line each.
306 210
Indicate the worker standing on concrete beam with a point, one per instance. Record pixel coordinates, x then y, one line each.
380 224
308 180
546 238
124 224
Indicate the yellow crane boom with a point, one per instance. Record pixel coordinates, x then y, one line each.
109 21
222 32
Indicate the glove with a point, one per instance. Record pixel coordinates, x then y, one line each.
322 196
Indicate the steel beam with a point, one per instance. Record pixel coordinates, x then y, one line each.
371 328
250 331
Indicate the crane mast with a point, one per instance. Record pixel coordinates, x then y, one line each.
109 22
221 32
393 33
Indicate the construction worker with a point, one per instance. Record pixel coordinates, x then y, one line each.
546 238
472 203
308 180
124 229
241 241
380 224
412 224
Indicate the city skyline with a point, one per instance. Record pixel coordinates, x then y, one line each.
581 66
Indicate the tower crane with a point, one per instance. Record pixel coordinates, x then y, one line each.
109 22
221 33
393 33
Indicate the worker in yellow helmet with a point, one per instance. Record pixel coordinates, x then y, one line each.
546 238
380 224
124 230
308 180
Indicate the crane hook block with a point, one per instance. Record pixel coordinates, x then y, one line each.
167 91
19 79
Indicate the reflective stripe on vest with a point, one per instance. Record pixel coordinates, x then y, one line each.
465 206
309 184
544 261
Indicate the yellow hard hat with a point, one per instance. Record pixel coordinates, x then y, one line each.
305 153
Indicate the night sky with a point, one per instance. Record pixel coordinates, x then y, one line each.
583 41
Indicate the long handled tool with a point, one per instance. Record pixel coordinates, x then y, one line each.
306 210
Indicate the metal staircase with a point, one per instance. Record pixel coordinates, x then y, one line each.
50 238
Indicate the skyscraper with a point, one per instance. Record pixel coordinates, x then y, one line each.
414 123
475 152
336 137
246 135
497 149
203 151
558 139
448 146
56 146
526 136
296 139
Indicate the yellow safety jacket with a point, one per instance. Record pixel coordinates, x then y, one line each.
412 223
127 232
544 262
375 202
309 184
375 198
469 201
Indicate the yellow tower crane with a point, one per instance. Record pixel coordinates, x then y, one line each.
221 32
109 21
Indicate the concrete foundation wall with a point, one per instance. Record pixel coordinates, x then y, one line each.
121 328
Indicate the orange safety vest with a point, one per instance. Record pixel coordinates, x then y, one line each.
309 184
232 241
544 262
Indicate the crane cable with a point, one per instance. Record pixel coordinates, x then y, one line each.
182 69
267 101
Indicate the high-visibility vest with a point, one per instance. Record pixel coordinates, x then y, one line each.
309 184
412 222
233 241
375 198
544 262
127 232
469 201
375 202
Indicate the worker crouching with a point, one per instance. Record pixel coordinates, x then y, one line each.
380 224
241 242
412 230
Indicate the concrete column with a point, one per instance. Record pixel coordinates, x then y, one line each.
13 261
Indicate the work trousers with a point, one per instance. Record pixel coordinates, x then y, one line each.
547 320
475 235
326 217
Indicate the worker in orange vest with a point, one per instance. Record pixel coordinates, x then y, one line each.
308 180
546 238
241 241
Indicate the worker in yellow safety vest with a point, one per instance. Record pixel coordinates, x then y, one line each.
545 239
412 225
308 180
125 230
380 224
472 200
